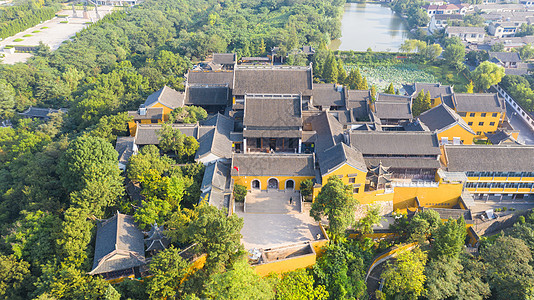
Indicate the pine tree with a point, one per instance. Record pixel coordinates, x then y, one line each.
470 87
427 102
341 73
330 69
262 47
363 85
373 93
358 80
390 89
417 105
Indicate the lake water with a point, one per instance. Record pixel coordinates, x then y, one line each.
370 25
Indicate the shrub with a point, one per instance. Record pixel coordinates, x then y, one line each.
521 219
504 208
18 40
36 31
45 27
497 210
27 35
240 192
306 188
64 22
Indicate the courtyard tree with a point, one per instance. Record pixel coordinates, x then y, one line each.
486 75
240 192
449 239
336 202
469 88
390 89
188 114
147 159
423 225
171 139
306 188
372 218
421 103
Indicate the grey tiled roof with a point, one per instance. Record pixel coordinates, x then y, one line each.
273 164
490 158
124 147
329 131
447 17
152 113
483 102
435 89
210 78
224 58
272 112
37 112
393 110
357 96
147 133
443 117
119 245
207 95
499 137
395 143
326 94
217 141
455 29
333 157
273 80
405 163
216 175
516 71
166 96
505 56
415 125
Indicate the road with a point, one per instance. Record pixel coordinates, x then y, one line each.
526 135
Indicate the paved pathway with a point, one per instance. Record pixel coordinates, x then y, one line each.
526 135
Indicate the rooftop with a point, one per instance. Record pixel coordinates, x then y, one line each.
326 94
490 158
272 112
225 78
395 142
224 58
482 102
459 29
340 154
443 117
273 164
273 80
166 96
505 56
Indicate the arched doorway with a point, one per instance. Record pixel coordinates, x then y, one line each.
272 183
256 185
290 184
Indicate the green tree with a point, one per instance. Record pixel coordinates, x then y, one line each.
508 262
306 188
240 192
335 201
7 100
330 69
454 55
364 84
171 139
498 47
341 73
14 276
240 282
87 159
527 51
372 218
390 89
299 285
418 104
486 75
148 159
469 87
215 233
405 278
449 239
188 114
168 269
443 278
111 293
373 93
423 225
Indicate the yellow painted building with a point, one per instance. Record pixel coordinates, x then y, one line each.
449 126
482 112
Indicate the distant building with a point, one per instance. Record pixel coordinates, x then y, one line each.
467 34
439 22
41 113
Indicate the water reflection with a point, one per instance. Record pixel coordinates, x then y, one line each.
370 25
